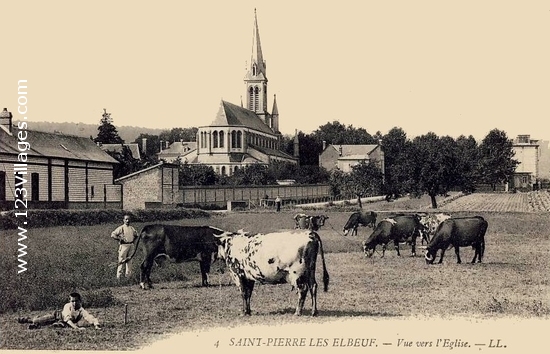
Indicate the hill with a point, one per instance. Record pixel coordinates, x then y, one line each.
127 133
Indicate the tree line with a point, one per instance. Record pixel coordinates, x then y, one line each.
428 163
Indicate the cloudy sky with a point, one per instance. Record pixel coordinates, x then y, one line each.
448 67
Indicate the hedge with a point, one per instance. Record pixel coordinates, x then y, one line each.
63 217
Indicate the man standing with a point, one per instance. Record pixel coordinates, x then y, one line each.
125 234
278 203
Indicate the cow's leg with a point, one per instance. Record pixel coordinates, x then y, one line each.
246 292
144 277
302 287
205 269
457 252
413 247
476 252
481 251
383 249
313 293
441 257
396 245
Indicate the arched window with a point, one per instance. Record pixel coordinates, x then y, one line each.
236 169
251 98
221 135
254 69
256 98
215 139
233 139
239 139
223 170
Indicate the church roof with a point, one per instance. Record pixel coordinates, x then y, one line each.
230 114
273 152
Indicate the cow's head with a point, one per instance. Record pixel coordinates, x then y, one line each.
223 243
368 249
429 256
322 219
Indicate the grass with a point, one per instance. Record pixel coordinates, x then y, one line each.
513 281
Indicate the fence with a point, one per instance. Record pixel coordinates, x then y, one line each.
220 195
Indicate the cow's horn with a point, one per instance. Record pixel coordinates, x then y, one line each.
429 259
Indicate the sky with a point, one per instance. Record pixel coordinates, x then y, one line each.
452 68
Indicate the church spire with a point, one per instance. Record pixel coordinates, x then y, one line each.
257 58
255 79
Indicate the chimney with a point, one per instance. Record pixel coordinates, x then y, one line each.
144 146
340 150
6 119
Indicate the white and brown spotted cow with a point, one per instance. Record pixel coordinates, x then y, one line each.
430 222
274 258
309 222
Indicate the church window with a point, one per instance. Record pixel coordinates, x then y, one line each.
215 139
221 135
256 98
239 139
233 139
223 170
251 98
254 69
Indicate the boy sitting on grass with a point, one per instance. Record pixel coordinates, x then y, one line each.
72 315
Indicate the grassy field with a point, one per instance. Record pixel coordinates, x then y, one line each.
512 281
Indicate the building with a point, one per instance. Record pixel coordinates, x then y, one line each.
55 170
179 149
153 187
133 147
241 136
344 157
544 160
526 151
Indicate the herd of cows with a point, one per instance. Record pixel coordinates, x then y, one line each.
290 256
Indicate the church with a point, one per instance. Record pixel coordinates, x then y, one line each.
239 136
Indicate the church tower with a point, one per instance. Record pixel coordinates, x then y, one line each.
256 79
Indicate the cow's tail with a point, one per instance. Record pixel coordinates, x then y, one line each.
127 259
325 272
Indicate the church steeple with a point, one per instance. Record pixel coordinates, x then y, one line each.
275 115
256 79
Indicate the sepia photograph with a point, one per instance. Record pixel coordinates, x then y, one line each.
285 177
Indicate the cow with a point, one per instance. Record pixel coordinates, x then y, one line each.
430 222
359 217
274 258
400 228
309 222
177 243
458 232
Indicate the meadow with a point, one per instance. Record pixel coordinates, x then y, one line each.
512 282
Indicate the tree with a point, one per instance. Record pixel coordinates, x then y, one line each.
435 164
152 148
107 132
338 133
365 179
127 163
196 175
496 158
397 163
467 155
179 134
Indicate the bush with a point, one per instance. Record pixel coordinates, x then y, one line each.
64 217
